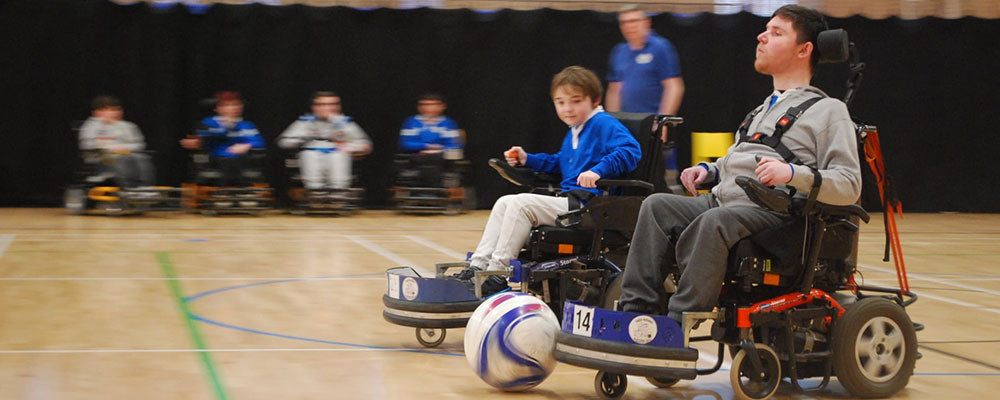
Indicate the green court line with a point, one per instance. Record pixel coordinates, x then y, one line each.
175 288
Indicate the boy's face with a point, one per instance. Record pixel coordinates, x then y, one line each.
572 106
326 106
430 107
778 49
109 114
229 109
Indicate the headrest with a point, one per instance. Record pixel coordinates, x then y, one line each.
833 46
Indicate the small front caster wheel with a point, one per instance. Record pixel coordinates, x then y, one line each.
610 385
430 337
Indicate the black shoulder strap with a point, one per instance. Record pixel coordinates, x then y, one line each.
783 125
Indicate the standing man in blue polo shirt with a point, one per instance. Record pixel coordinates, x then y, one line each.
644 74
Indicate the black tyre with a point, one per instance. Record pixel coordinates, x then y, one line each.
75 200
662 383
431 337
612 293
874 348
755 385
610 385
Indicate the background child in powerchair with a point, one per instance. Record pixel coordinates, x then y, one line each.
596 146
328 140
119 142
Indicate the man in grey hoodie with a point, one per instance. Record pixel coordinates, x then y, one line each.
700 230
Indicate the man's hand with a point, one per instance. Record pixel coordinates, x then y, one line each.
239 148
588 179
771 171
516 155
691 177
191 142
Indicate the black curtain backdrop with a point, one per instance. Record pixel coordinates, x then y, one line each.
930 86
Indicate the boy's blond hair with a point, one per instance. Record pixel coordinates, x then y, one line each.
581 78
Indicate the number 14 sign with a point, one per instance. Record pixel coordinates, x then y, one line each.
583 318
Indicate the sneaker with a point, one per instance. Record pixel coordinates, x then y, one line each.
466 274
494 284
639 307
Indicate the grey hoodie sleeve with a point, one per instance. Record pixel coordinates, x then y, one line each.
836 160
294 136
131 139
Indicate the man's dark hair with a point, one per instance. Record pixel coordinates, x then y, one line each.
434 96
105 101
808 23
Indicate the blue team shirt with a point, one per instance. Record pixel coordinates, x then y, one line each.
641 71
219 137
604 146
418 131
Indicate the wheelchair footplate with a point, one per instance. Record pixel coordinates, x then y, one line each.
236 200
431 305
327 201
428 199
620 343
156 198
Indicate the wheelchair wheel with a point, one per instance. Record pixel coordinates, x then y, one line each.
612 293
760 385
430 337
874 348
610 385
75 200
662 383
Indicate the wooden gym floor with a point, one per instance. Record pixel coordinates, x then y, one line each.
180 306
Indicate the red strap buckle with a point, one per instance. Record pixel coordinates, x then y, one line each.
755 136
783 121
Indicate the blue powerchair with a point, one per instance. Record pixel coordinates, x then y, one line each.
572 261
789 307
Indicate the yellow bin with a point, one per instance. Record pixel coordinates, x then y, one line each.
708 146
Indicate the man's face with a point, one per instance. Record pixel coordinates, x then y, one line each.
230 109
778 48
326 106
109 114
430 107
572 106
634 25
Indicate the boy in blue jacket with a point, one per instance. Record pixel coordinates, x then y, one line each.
428 136
596 146
229 138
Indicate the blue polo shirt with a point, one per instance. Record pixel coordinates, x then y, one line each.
641 71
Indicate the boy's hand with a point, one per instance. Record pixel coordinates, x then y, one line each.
515 155
588 179
693 176
771 171
239 148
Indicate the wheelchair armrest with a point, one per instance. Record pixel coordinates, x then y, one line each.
511 174
776 200
605 184
767 198
852 210
571 218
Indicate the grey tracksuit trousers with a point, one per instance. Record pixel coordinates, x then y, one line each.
703 233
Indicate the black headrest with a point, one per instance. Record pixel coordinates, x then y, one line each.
833 46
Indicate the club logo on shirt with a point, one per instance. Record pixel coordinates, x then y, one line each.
644 58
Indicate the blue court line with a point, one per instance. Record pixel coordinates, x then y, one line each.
364 346
199 318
